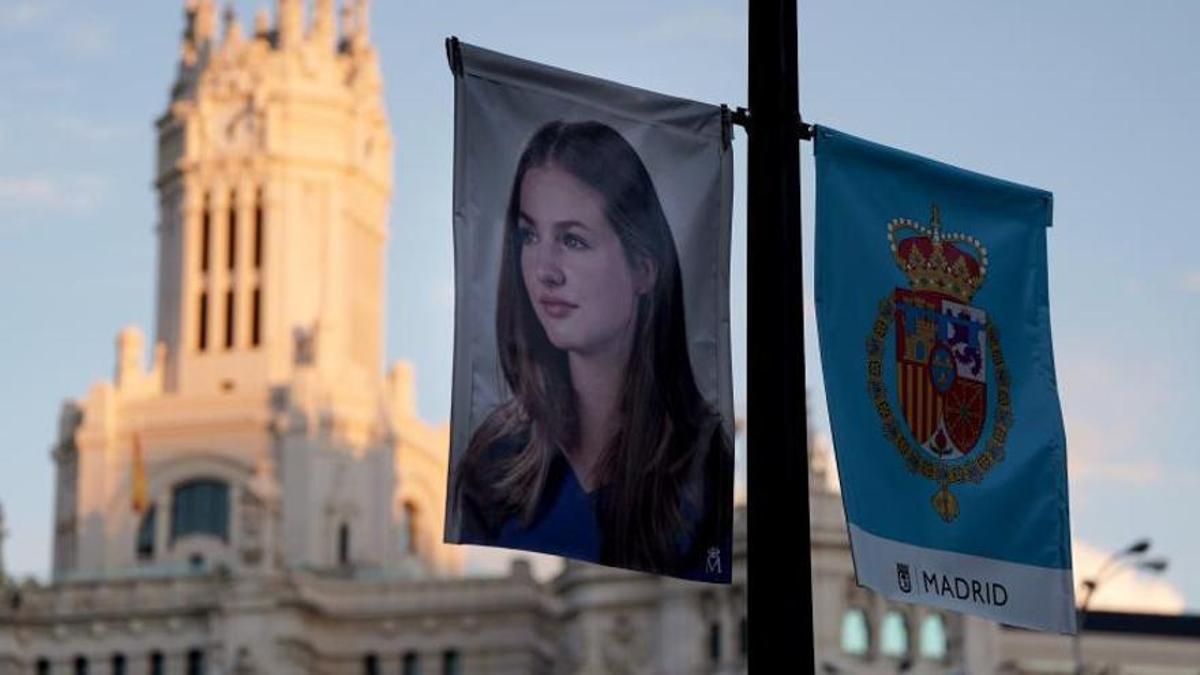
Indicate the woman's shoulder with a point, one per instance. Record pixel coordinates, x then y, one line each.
481 508
482 464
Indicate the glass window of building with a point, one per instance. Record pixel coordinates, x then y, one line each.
81 665
370 665
411 663
856 632
933 638
156 664
893 635
451 662
200 507
145 535
714 642
118 664
411 522
195 662
344 545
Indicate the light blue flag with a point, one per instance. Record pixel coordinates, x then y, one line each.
939 374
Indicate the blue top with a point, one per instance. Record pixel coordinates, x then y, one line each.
568 519
566 525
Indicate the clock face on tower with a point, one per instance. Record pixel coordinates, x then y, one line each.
238 128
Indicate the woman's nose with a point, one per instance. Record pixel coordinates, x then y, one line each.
548 269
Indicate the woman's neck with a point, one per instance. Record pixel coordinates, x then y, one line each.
598 382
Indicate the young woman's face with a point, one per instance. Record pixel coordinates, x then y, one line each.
580 281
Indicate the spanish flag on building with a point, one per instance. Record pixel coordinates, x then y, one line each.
138 491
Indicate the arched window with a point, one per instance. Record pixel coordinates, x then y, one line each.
145 535
195 662
118 664
156 664
933 638
714 641
200 507
205 233
451 662
256 317
411 663
344 544
410 523
893 635
202 322
856 632
81 665
43 667
258 229
231 240
370 665
230 318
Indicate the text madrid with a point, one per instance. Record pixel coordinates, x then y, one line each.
973 590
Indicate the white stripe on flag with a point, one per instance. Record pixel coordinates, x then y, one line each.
1012 593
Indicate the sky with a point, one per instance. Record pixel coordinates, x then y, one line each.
1092 101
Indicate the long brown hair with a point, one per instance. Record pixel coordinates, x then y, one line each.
661 411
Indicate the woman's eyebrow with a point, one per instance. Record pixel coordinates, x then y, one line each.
568 224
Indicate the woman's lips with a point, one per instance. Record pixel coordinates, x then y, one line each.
556 308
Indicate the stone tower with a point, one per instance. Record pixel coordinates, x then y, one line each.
264 434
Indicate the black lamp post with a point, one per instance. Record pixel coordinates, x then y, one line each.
1107 571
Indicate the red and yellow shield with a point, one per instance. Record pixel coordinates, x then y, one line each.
941 372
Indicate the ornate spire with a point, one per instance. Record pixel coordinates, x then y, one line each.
233 29
291 22
204 26
262 23
323 23
364 21
357 23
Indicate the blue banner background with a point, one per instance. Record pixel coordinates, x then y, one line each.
1019 512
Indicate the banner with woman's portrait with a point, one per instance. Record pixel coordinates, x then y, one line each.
592 412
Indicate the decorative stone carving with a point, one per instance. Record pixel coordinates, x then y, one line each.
244 663
624 647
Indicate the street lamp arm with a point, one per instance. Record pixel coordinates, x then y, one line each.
1107 571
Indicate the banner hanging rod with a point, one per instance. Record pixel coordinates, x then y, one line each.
741 117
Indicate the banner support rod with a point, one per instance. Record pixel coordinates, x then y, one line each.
741 117
778 558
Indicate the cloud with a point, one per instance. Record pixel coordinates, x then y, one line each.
23 14
75 194
1190 282
79 33
1125 589
1105 417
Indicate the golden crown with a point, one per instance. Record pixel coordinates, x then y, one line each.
936 261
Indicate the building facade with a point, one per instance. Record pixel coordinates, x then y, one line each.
262 497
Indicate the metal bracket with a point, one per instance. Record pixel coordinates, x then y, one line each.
741 117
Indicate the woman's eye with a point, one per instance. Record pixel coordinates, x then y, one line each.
526 236
574 241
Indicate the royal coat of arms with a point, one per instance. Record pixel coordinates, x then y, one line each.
945 354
